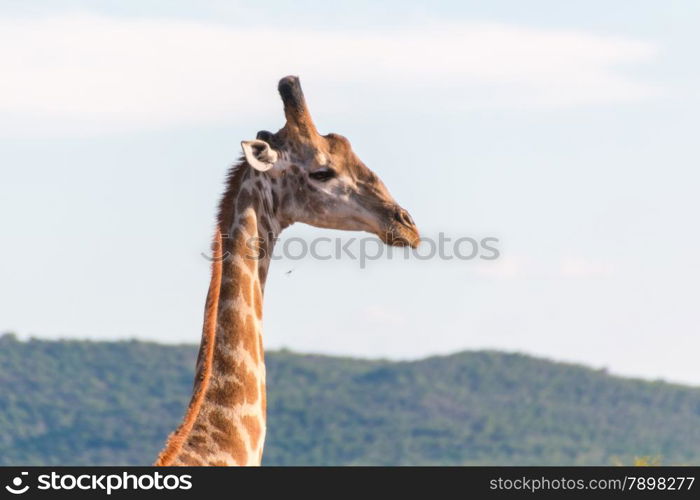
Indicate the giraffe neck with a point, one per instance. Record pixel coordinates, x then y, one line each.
225 421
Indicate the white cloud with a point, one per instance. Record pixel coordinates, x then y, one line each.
85 70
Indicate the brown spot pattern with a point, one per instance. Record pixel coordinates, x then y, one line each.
243 201
246 290
229 394
198 444
187 459
257 299
249 339
231 444
220 422
223 363
252 425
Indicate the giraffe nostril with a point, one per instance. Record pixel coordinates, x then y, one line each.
403 217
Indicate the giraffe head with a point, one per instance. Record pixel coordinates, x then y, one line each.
319 180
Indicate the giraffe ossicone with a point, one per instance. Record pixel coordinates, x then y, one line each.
293 175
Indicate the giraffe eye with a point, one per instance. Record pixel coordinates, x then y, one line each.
323 175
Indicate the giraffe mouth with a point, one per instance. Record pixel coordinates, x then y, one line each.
401 236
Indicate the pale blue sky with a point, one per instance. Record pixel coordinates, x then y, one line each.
566 129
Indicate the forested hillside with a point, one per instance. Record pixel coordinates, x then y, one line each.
79 402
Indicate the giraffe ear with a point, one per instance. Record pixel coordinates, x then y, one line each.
259 154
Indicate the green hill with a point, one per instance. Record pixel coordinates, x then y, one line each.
94 403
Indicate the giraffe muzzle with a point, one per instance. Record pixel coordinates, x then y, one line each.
402 231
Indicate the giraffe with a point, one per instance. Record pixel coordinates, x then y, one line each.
293 175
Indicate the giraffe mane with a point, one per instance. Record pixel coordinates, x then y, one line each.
177 438
206 351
